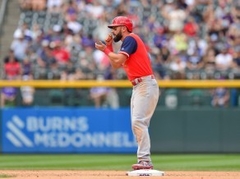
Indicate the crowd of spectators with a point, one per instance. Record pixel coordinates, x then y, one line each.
186 39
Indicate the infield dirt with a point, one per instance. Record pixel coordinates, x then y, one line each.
88 174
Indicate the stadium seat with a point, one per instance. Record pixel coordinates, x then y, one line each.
171 98
40 97
56 97
71 98
124 96
195 98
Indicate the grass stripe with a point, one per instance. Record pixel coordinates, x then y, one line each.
205 162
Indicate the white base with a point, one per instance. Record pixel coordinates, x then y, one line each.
136 173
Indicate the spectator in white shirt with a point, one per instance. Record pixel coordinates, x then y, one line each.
54 6
224 60
19 46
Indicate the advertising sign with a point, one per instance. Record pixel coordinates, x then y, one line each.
67 130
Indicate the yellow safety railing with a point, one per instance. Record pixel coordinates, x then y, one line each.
121 83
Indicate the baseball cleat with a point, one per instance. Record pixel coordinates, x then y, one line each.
141 165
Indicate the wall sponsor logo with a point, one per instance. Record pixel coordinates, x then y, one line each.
62 132
15 135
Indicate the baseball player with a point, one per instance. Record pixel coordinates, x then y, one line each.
134 58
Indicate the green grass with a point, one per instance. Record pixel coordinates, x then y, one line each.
5 176
166 162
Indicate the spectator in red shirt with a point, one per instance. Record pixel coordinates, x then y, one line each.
60 53
191 27
12 68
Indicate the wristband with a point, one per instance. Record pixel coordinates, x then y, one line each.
107 51
110 47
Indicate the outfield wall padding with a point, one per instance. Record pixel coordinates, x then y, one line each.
181 130
1 131
196 130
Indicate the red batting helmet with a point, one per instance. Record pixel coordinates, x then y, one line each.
122 20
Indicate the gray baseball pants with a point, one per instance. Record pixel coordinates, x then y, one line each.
144 100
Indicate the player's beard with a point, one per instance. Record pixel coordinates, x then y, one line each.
118 37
